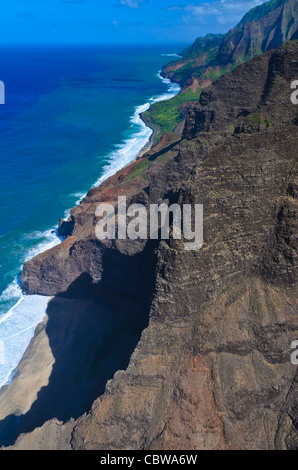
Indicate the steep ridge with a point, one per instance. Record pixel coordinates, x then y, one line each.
212 370
265 27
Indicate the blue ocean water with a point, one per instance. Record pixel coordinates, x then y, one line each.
71 118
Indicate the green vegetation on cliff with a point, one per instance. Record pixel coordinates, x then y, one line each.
265 27
255 14
166 115
203 45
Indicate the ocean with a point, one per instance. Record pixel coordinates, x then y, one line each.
71 119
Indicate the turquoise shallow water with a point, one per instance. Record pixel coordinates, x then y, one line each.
71 118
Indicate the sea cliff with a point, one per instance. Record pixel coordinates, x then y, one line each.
263 28
208 363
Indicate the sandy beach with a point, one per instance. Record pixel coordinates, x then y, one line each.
74 352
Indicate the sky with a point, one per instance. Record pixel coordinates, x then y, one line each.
117 21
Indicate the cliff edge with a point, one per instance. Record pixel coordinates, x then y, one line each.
212 369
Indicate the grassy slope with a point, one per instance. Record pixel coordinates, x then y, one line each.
165 115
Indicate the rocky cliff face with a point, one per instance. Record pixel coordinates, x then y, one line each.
212 370
263 28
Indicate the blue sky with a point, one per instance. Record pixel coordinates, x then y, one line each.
117 21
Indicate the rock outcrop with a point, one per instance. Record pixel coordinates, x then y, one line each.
212 370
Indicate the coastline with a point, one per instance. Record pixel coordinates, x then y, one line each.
54 373
147 147
108 171
149 144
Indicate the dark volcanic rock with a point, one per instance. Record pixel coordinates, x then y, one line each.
65 227
212 370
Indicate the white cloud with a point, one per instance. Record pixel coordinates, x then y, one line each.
225 11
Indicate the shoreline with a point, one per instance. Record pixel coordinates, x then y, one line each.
146 147
150 143
152 127
29 351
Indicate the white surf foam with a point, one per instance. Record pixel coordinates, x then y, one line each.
18 324
16 330
48 239
13 291
172 55
128 150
